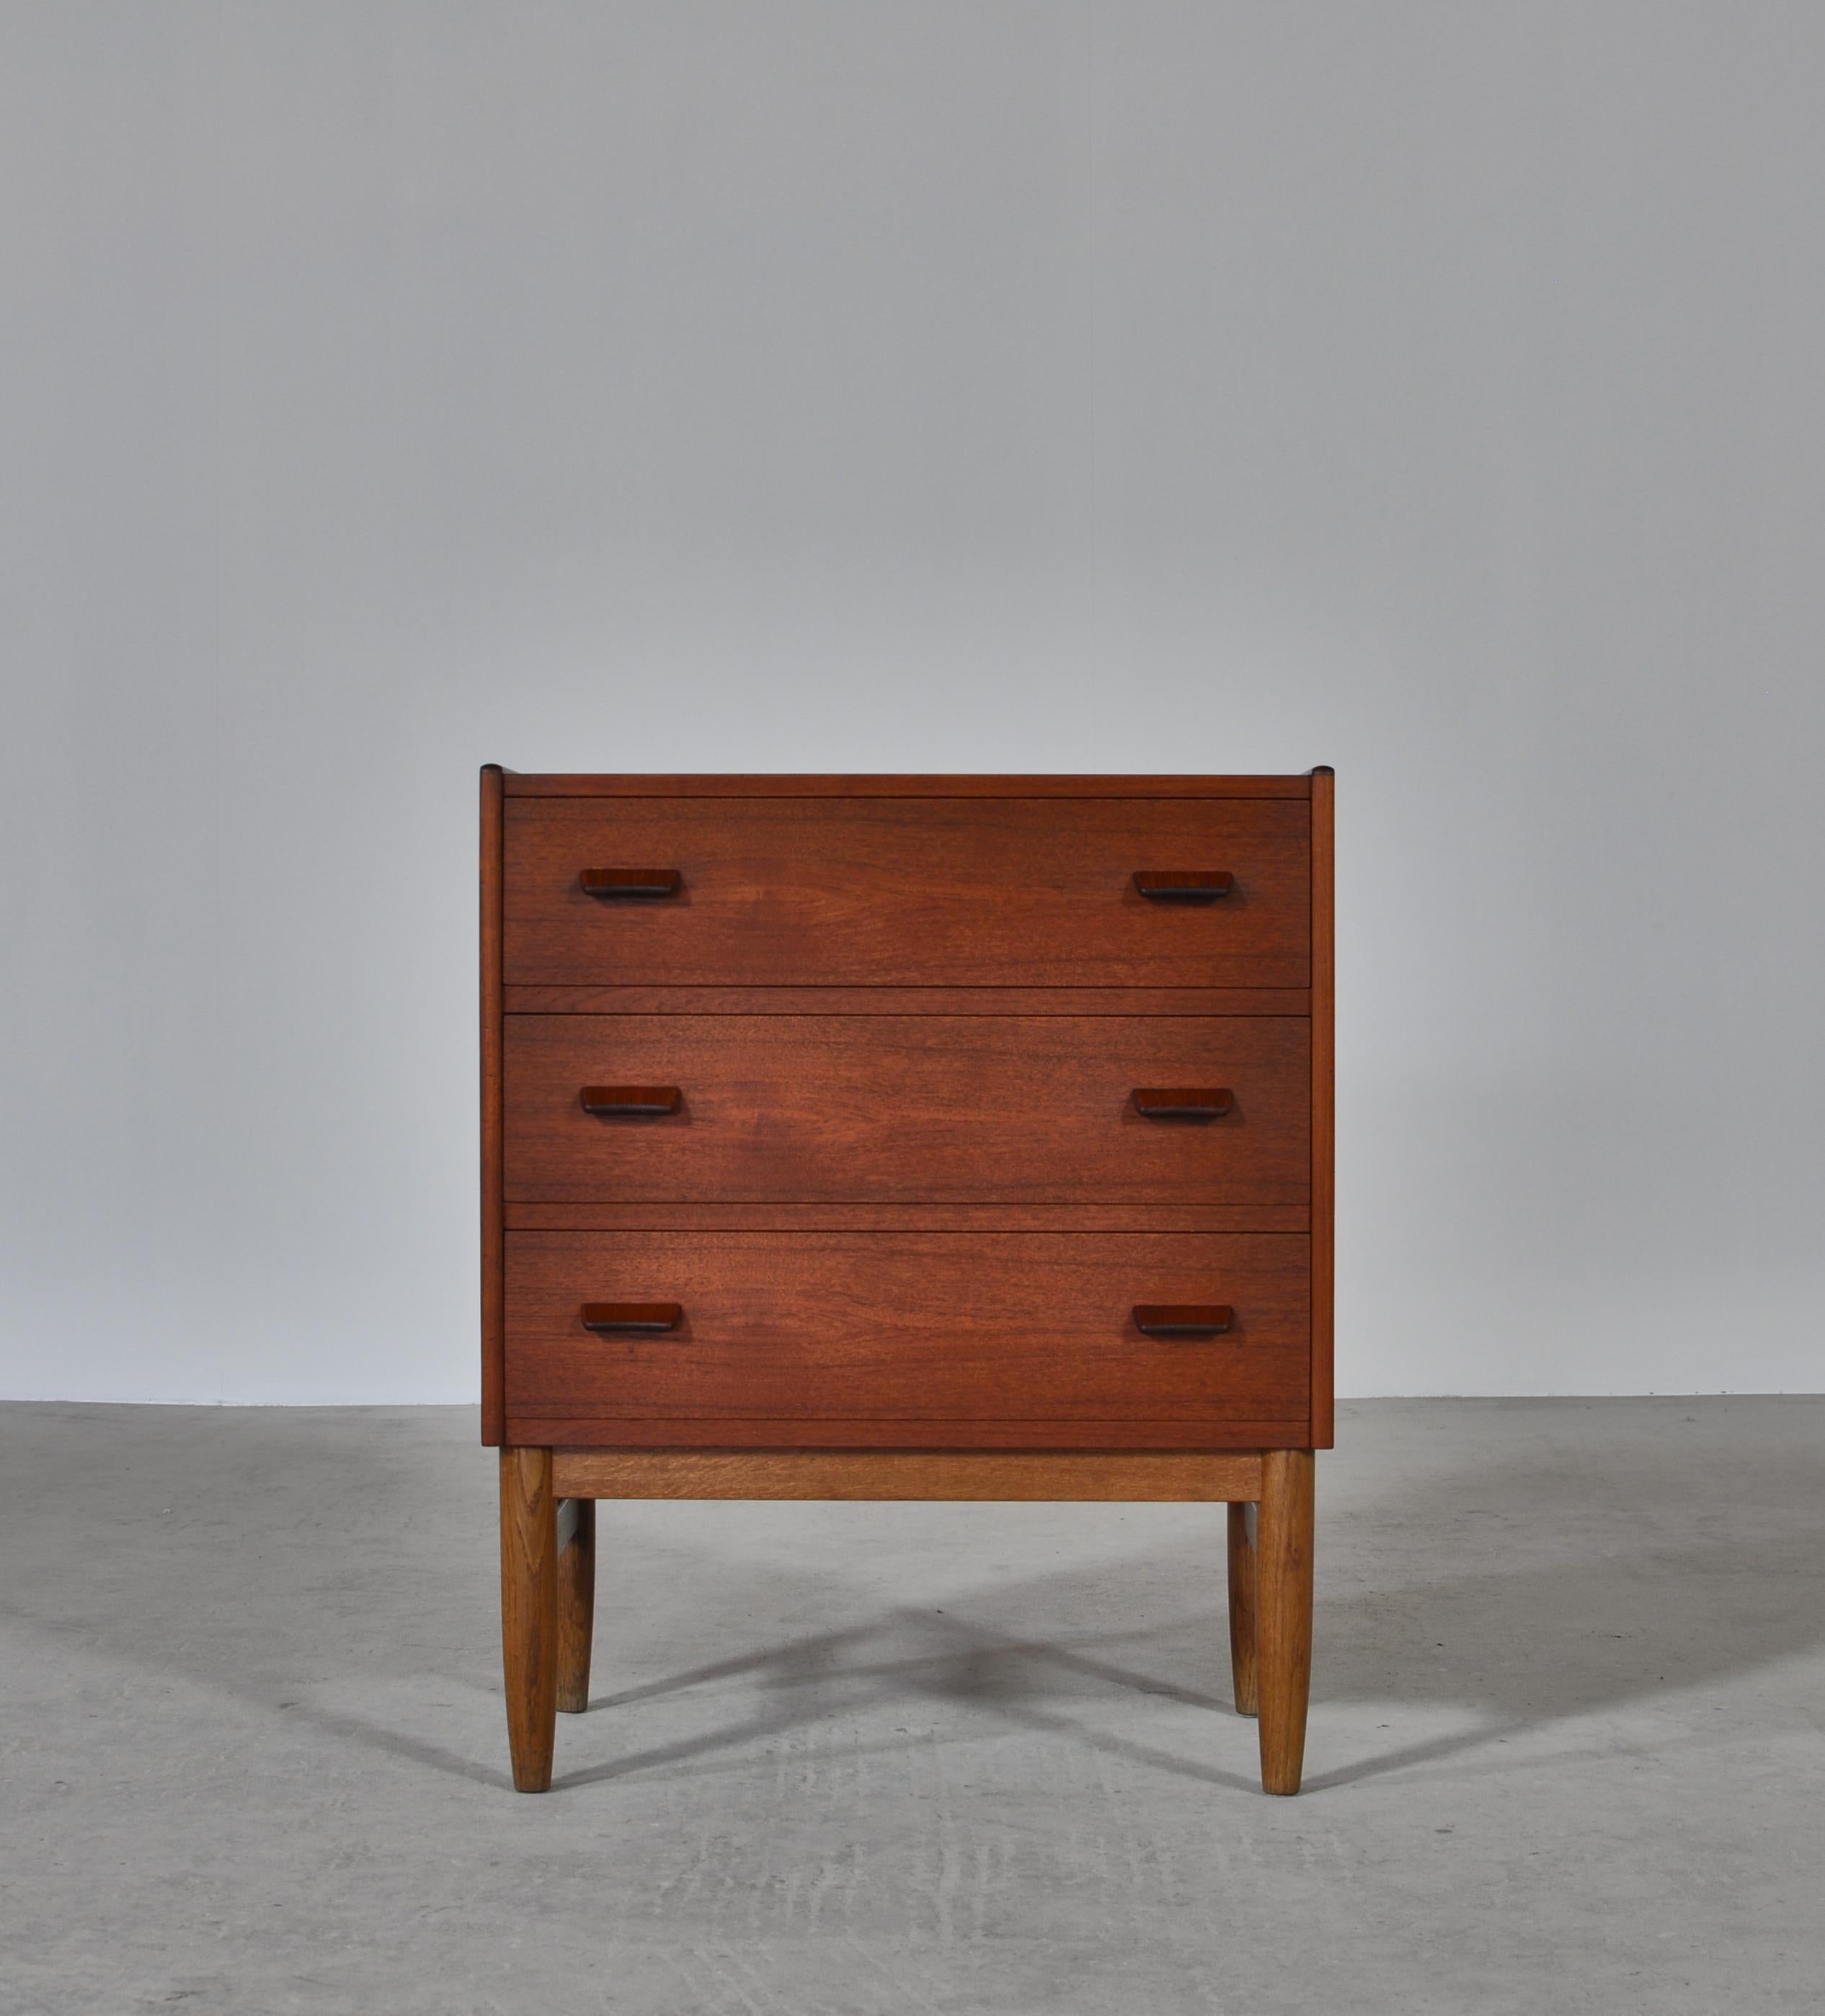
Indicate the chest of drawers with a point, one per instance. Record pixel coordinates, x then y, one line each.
905 1137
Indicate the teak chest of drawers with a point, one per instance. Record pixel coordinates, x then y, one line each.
905 1137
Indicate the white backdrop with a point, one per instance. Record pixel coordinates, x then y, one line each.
1431 390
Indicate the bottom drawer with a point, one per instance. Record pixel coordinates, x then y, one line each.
887 1339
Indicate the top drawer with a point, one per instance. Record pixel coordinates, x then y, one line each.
909 892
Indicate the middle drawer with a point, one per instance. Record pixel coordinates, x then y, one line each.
930 1109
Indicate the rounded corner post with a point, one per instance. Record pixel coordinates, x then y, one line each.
1323 1174
493 1176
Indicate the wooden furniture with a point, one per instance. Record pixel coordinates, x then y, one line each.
905 1137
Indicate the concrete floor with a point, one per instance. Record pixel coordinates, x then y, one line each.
1566 1751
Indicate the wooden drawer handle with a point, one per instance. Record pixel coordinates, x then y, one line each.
620 885
1205 885
631 1319
1172 1320
1183 1102
630 1102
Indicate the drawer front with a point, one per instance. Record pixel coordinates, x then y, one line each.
906 1340
926 1109
1009 892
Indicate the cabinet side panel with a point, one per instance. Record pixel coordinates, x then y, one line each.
1323 1076
493 1397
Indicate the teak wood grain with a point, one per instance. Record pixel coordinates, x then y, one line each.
635 999
843 1216
576 1596
494 1391
807 1436
1244 1672
535 785
918 1109
914 1340
878 1474
1282 1590
905 1230
1323 1098
529 1612
909 892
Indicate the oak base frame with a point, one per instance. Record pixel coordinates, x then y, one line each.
548 1555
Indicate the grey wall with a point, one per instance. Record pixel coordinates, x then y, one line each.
1430 390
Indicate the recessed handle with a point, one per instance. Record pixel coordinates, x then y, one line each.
1185 885
630 1102
631 1319
621 885
1183 1102
1177 1320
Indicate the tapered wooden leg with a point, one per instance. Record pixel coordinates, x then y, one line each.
529 1612
575 1601
1283 1560
1242 1660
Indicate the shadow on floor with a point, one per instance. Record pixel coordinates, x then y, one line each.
1526 1586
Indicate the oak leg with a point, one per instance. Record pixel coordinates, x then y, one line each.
1284 1613
529 1612
1242 1658
575 1601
